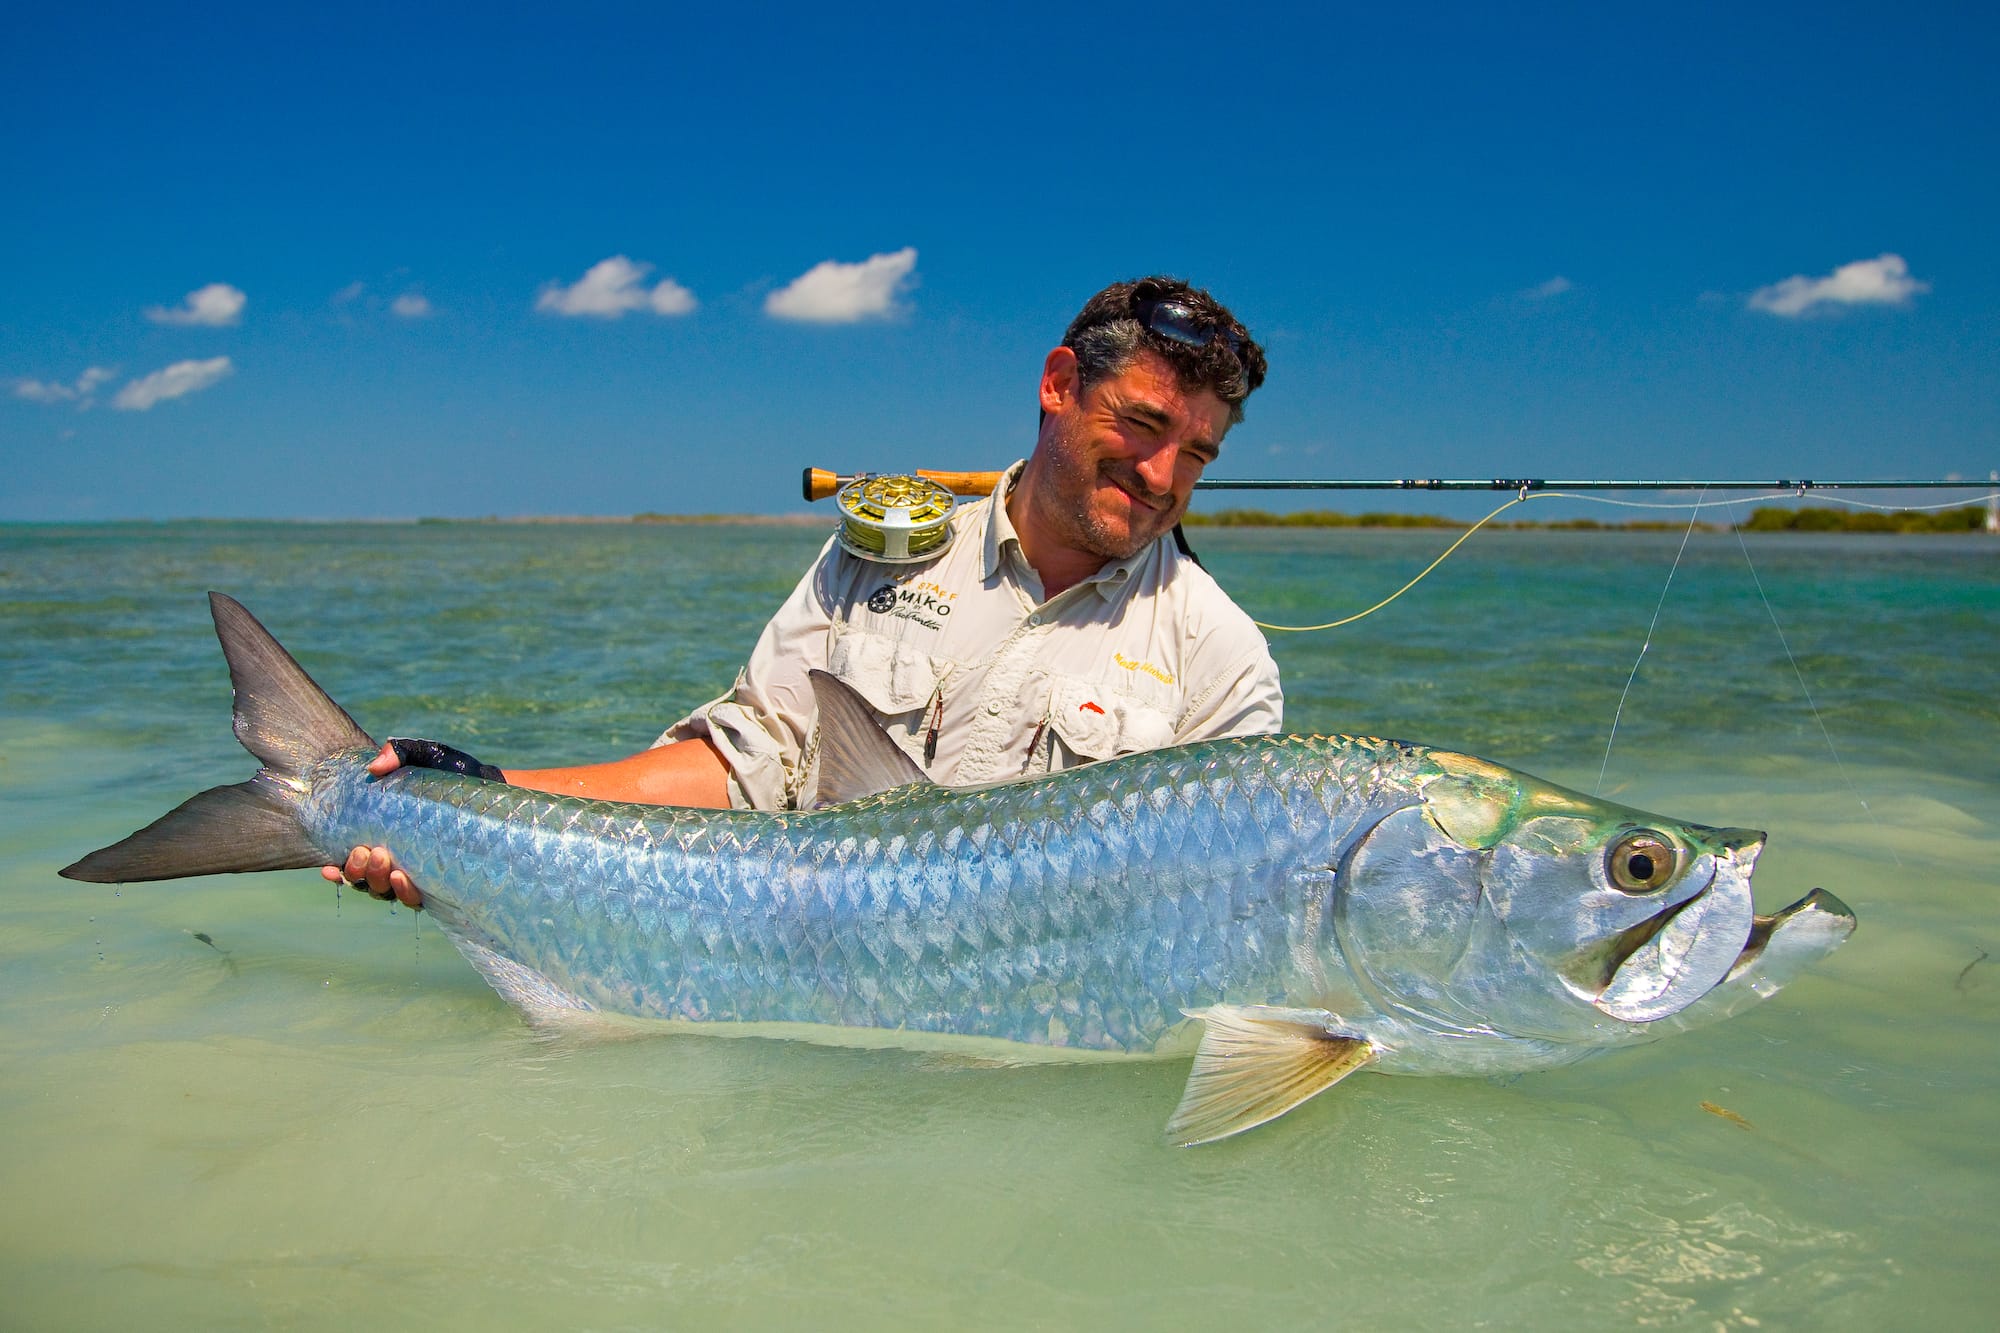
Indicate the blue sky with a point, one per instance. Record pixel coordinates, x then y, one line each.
265 264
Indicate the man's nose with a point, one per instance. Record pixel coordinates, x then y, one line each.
1156 468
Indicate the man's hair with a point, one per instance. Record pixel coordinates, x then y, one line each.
1107 335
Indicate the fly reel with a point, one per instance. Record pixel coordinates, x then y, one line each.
894 519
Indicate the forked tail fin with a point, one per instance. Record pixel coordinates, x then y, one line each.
284 719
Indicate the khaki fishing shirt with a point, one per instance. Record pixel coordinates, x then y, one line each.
979 678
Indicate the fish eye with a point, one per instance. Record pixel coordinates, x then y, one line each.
1640 862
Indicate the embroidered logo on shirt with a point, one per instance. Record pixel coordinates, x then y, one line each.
911 602
1086 704
1156 673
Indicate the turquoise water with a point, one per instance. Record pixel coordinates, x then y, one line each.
317 1116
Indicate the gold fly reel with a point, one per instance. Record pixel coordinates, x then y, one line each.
895 519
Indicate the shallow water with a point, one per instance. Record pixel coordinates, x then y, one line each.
318 1116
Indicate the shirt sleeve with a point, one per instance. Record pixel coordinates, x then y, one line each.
763 725
1234 689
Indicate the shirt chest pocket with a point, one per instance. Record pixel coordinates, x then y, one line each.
893 677
1095 723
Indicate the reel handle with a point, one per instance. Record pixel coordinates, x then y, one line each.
820 484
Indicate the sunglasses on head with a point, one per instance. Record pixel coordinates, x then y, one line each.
1173 318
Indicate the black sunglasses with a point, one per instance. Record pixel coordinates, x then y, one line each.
1176 319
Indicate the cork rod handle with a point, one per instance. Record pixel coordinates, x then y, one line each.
819 484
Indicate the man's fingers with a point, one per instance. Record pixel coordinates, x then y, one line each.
355 868
405 891
368 869
380 864
374 871
385 762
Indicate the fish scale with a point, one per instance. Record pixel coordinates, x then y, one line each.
695 913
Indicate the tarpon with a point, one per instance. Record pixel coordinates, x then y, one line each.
1309 906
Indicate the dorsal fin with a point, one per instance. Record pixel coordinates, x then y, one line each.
282 717
856 757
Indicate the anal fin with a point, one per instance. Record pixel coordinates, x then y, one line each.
1257 1062
539 999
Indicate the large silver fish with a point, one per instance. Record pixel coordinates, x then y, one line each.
1317 904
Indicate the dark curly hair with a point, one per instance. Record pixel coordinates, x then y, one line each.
1109 332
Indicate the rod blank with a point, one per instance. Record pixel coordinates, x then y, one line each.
1542 484
820 483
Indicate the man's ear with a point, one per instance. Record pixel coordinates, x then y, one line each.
1061 382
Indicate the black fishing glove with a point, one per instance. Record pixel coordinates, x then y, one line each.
438 755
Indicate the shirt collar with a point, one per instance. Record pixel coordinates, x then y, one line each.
1000 532
1002 543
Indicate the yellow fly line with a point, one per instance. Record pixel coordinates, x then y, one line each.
1336 624
1526 495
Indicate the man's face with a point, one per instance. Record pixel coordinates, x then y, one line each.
1123 455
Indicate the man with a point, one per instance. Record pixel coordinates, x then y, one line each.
1061 625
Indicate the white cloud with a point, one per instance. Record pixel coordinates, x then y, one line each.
1555 286
410 305
80 392
836 293
37 391
612 287
217 305
177 380
670 298
1882 281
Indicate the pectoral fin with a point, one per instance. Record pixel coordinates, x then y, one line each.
1257 1062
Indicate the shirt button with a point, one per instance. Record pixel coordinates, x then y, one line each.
993 710
1034 620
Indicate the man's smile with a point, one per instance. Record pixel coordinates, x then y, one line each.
1137 491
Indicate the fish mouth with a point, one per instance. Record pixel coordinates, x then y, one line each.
1672 958
1775 949
1818 922
1780 947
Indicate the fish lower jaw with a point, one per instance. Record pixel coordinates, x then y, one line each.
1780 948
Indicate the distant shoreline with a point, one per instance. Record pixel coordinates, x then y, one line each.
1967 518
752 520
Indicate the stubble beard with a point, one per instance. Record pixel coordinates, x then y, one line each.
1079 484
1142 530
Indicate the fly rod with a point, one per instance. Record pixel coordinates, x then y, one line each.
900 518
819 484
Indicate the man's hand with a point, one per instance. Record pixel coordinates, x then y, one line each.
372 869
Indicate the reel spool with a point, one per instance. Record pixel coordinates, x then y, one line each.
895 519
